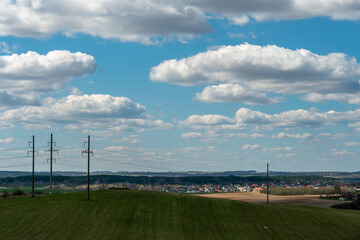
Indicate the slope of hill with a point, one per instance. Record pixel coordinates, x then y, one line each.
152 215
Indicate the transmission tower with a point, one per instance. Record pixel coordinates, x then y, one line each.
51 150
267 183
88 151
33 163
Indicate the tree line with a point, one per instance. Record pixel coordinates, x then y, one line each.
156 180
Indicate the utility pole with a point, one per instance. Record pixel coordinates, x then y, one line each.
267 183
33 164
88 151
51 158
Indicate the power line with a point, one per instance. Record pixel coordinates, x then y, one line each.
20 165
11 149
7 158
173 163
132 164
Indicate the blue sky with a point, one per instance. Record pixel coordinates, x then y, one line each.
181 85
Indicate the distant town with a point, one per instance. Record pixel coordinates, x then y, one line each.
280 183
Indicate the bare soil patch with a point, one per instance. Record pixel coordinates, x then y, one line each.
307 200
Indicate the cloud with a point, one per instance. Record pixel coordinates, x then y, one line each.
6 140
296 118
4 47
295 136
287 155
240 20
225 136
75 91
219 134
7 99
339 136
343 152
277 149
264 68
351 144
89 112
76 108
189 149
191 135
132 139
153 20
97 114
282 9
126 20
234 93
324 134
202 121
250 147
24 76
33 72
116 148
33 127
236 35
212 148
343 97
139 125
300 118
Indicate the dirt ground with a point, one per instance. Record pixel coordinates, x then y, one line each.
308 200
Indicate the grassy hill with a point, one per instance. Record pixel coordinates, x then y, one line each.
153 215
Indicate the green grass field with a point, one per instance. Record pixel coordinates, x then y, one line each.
153 215
28 190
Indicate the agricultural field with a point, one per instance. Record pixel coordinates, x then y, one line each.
114 214
283 191
251 197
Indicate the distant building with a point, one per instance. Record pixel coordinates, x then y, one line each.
257 189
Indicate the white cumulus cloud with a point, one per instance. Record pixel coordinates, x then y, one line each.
234 93
351 144
295 136
240 20
24 76
191 135
245 117
250 147
116 148
296 118
349 98
209 119
4 47
262 10
75 108
6 140
278 149
264 68
126 20
341 152
102 115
